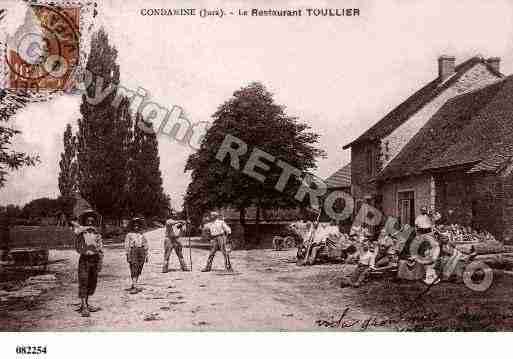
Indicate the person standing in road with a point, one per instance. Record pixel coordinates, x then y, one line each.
173 232
218 231
89 244
137 252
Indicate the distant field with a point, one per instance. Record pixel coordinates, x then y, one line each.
52 237
41 236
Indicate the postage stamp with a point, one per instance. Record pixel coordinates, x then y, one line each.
45 52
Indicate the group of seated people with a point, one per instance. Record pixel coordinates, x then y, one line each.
424 255
369 255
427 252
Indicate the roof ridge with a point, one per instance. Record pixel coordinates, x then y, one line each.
446 131
413 103
480 88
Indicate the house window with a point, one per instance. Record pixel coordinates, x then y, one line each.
406 207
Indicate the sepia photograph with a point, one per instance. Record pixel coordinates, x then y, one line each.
255 166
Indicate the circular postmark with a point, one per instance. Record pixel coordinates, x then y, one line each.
44 51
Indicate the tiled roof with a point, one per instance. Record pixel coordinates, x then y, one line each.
415 102
474 129
341 178
488 138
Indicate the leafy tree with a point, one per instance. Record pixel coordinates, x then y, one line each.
68 164
47 207
252 116
41 207
12 210
104 135
9 158
145 179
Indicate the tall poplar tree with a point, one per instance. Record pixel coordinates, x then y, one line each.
146 192
68 164
104 134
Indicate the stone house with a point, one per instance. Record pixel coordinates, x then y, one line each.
467 149
401 192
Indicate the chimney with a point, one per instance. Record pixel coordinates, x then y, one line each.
446 66
494 62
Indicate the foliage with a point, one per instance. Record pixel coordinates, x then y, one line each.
252 116
104 135
47 207
146 194
118 163
11 210
9 158
68 165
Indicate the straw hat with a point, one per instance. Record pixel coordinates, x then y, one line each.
87 216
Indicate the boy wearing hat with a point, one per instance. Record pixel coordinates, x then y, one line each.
137 252
89 245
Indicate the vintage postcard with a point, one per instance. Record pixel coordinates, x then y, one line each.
320 166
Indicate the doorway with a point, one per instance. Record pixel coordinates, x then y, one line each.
406 207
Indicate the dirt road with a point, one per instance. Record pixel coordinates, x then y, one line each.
267 291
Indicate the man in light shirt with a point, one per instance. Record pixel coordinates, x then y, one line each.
173 232
218 233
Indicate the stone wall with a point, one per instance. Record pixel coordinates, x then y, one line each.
507 209
360 176
420 185
473 200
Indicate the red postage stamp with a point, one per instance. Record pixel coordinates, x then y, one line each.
44 52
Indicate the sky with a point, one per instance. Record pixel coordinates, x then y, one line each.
340 75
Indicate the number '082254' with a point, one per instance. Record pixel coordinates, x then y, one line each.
30 349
